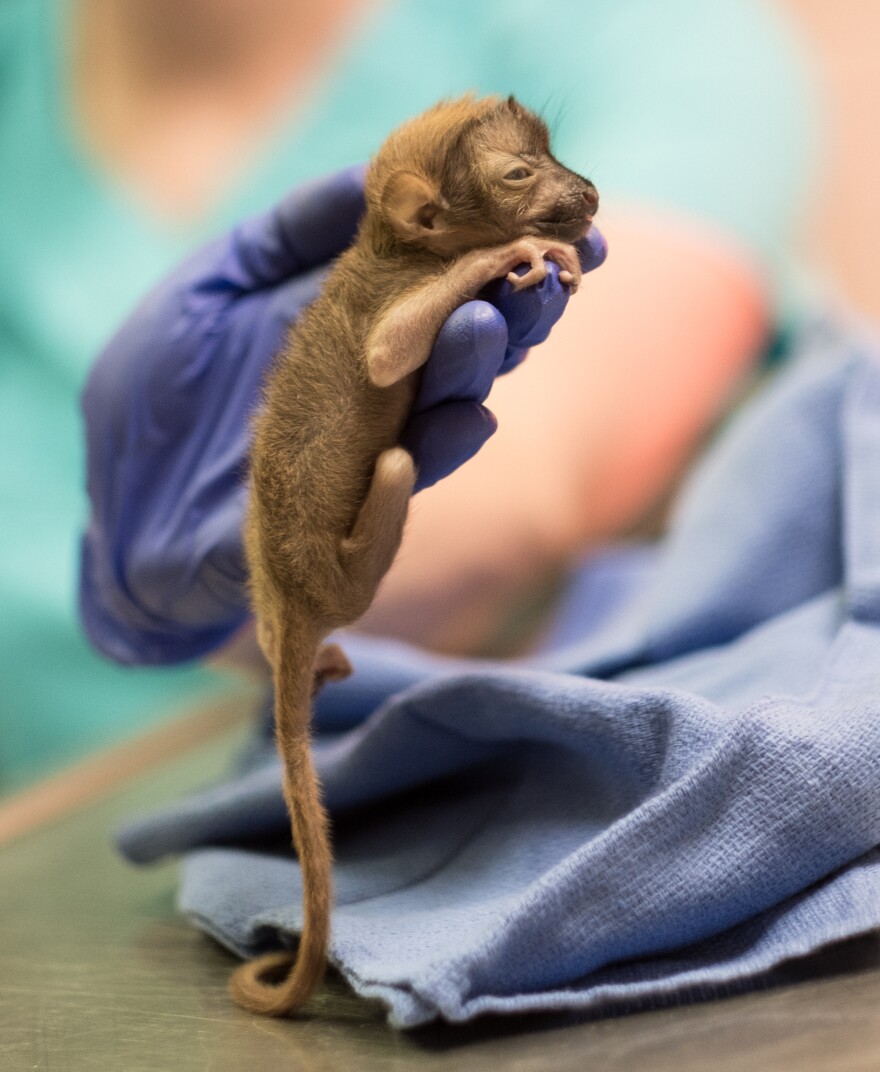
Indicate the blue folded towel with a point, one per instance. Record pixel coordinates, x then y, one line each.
680 793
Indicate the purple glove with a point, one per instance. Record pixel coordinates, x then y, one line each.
167 409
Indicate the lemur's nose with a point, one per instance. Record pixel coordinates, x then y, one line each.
591 197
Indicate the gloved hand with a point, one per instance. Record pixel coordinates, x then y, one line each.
167 409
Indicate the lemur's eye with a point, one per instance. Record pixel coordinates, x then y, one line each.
518 173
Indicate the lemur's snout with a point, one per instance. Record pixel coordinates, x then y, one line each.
591 198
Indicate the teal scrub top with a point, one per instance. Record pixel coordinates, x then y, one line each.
698 105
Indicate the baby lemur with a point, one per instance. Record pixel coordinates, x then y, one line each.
457 197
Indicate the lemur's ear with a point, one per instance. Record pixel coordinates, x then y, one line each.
414 207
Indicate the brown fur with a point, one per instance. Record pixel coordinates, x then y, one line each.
330 487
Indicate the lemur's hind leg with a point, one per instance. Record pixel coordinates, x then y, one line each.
331 664
366 554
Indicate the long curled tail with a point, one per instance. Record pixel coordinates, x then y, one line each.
277 984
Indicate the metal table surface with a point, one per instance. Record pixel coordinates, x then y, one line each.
98 973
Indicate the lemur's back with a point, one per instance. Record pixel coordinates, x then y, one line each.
324 423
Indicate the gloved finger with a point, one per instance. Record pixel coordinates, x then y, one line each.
445 437
313 223
181 575
466 356
127 633
515 356
219 551
592 249
531 313
224 363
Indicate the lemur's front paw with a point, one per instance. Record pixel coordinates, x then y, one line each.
567 258
534 252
